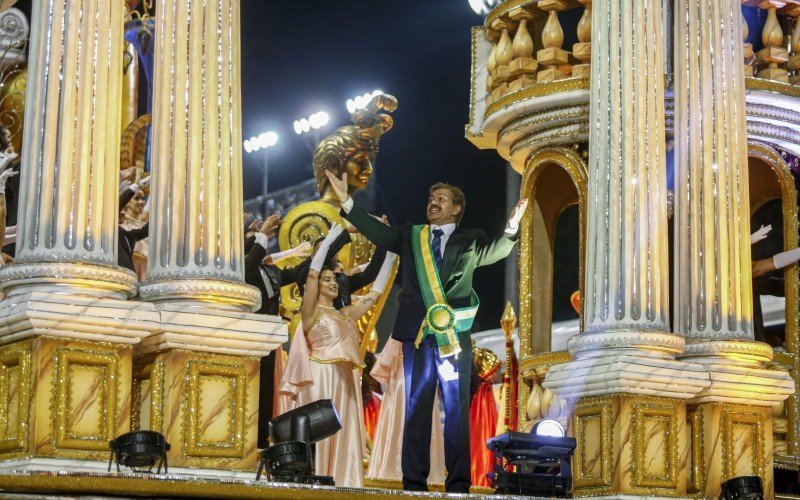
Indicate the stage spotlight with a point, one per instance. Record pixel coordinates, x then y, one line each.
548 427
139 450
289 459
534 464
742 487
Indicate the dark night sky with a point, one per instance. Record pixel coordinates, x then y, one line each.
299 57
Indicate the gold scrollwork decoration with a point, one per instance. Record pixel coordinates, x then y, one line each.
15 387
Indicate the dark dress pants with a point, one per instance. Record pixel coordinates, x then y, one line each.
266 397
424 369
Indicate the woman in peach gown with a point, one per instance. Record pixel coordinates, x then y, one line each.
324 363
384 463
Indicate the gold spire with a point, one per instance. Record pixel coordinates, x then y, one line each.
509 320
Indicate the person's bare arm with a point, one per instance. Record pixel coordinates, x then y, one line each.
360 308
762 267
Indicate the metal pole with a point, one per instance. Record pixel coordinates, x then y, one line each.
265 182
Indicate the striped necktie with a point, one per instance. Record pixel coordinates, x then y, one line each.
436 246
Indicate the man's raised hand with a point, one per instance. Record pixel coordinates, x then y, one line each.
270 224
339 185
759 235
517 213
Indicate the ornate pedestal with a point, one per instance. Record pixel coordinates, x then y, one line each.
629 419
62 399
205 404
196 381
730 423
65 376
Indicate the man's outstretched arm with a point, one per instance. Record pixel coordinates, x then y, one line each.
498 248
386 237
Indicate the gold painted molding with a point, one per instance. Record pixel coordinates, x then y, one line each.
788 89
789 211
14 432
538 90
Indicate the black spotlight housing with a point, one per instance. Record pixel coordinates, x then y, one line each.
290 458
532 465
139 450
742 487
323 422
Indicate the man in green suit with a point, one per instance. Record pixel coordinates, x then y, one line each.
437 306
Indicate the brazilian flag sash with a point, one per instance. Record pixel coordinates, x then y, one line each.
441 320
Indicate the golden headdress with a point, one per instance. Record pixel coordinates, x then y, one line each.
486 362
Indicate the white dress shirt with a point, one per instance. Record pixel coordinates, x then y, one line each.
447 229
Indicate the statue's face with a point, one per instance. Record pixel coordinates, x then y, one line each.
359 170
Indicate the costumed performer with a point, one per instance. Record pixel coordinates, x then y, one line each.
483 414
437 308
387 447
324 361
767 282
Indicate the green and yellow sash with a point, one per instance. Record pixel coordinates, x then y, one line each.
440 320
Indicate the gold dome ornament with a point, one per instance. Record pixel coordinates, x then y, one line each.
486 362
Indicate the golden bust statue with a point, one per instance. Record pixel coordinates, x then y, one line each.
353 148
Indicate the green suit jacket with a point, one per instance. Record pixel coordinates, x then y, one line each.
466 250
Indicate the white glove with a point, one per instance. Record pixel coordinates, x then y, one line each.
124 185
516 216
299 249
322 253
759 235
143 183
7 174
783 259
6 159
383 275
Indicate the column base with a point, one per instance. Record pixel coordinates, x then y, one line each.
62 399
655 343
213 293
196 327
626 374
63 315
206 405
629 421
74 278
737 352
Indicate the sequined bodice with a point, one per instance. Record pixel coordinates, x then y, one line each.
334 338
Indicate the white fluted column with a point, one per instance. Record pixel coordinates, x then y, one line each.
196 229
713 284
713 280
67 230
626 303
